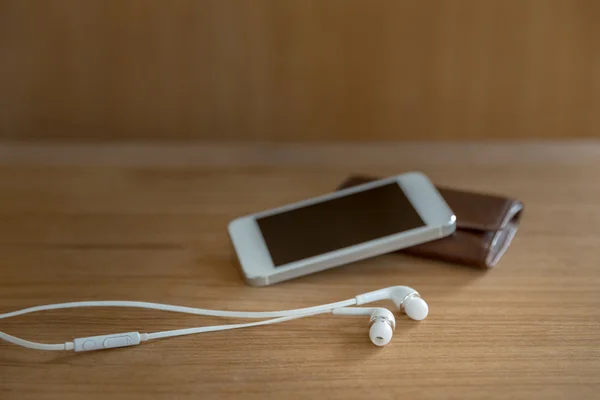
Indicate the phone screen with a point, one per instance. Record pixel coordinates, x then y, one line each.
338 223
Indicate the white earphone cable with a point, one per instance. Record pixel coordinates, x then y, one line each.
279 316
181 309
192 331
34 345
159 335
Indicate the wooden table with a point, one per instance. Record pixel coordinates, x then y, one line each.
148 222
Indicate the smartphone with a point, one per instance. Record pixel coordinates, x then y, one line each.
339 228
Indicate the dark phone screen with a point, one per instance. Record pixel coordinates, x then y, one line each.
335 224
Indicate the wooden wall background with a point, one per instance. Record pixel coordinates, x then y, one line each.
289 70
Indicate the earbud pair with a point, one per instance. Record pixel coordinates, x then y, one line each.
382 322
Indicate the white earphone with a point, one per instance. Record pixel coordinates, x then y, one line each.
382 321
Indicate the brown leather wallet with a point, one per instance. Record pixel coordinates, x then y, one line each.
485 227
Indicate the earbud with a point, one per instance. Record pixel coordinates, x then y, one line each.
381 324
381 332
415 307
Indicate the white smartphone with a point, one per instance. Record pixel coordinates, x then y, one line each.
341 227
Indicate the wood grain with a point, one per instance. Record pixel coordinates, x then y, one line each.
295 70
88 231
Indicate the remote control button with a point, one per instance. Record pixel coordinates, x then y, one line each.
117 341
89 345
